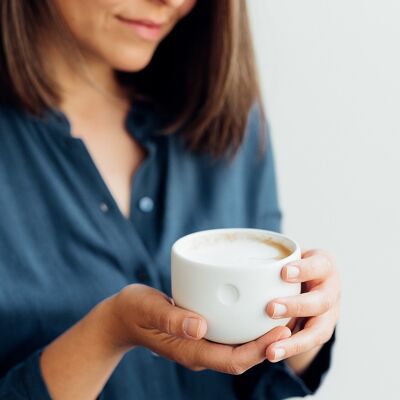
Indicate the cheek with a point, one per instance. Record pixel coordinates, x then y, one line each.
84 17
100 36
186 7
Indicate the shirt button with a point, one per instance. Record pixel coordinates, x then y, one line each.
146 204
104 207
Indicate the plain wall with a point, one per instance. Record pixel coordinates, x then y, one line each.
331 81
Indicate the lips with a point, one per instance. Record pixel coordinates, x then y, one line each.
145 29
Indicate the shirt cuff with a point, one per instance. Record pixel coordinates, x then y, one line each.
33 379
278 381
316 372
35 385
24 381
311 379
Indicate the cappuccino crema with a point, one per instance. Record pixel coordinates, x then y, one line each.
236 250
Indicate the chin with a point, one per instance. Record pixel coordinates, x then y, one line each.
132 61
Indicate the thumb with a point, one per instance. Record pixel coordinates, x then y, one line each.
176 321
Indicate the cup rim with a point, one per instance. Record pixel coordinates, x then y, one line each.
176 250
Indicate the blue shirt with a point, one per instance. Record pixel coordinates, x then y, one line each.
65 246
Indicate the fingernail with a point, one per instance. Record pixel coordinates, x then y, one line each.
279 310
191 327
293 272
279 353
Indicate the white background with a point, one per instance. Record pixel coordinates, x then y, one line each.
331 80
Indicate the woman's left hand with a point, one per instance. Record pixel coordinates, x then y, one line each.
316 308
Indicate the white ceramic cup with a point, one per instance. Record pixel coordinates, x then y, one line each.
232 299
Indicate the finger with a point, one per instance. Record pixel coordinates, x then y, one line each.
236 360
292 323
317 331
296 324
253 353
203 354
309 304
315 267
159 313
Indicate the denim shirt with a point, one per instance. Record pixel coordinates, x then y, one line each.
65 246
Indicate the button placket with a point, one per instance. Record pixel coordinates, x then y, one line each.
142 275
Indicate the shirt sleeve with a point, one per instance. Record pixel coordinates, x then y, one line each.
278 381
269 380
315 373
24 381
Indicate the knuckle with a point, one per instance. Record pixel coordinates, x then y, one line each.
321 338
321 252
297 348
298 309
329 261
314 267
165 323
328 266
186 359
192 365
320 264
187 364
235 369
308 253
195 368
326 304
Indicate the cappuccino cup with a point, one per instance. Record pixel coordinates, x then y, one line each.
228 276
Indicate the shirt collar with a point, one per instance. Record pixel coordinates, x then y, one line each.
142 122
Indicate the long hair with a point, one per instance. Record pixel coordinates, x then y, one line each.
202 76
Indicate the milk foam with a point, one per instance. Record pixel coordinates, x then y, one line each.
238 252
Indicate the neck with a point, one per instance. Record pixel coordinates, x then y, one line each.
89 85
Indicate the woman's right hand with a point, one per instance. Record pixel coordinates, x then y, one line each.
79 362
143 316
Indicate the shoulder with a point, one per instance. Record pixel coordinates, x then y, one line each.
7 116
256 148
12 121
255 118
16 132
16 125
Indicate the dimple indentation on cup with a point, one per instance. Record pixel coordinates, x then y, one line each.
228 294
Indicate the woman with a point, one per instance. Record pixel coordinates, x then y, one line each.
124 125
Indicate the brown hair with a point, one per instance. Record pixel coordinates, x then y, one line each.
202 76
